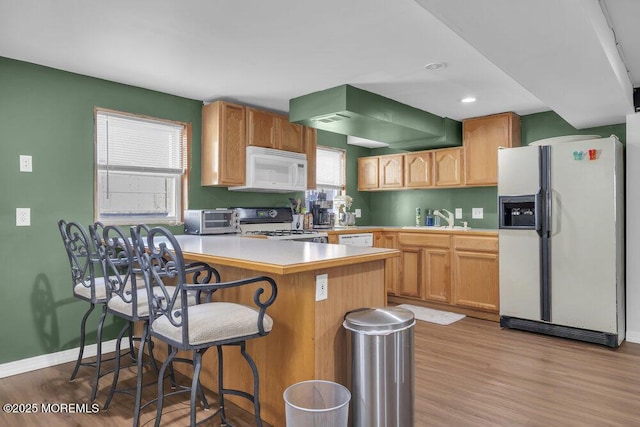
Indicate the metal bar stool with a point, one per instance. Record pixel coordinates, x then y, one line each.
83 261
199 327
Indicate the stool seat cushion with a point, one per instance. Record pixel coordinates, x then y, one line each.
211 322
118 305
85 291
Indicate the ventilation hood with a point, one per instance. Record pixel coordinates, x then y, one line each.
348 110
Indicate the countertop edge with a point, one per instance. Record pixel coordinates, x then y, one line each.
373 229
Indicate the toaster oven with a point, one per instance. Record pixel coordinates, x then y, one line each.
211 221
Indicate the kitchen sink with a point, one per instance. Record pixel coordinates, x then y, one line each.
425 227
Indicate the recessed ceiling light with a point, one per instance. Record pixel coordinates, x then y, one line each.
434 66
468 99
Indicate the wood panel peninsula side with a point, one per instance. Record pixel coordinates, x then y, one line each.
307 340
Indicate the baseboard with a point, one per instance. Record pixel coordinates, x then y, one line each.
52 359
633 337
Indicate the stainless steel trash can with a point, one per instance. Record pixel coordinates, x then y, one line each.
382 366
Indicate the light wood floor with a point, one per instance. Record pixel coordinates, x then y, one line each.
470 373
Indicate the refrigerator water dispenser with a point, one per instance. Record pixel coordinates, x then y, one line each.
518 212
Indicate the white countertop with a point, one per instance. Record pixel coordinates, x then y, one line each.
275 256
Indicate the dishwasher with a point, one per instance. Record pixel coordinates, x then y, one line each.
358 239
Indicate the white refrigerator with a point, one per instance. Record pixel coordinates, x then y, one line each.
561 238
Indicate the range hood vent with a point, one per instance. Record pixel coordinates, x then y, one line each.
330 118
355 112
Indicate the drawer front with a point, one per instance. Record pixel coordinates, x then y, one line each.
423 239
476 243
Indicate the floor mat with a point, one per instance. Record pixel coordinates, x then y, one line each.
433 316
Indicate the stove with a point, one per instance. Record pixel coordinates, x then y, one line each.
275 224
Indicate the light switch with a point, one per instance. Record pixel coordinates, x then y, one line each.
358 213
477 213
458 213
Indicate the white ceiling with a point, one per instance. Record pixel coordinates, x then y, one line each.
512 55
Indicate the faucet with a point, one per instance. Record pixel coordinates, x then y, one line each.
448 218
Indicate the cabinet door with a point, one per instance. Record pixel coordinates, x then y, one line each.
475 261
391 171
481 138
437 275
290 135
389 241
223 144
310 146
448 167
411 272
367 173
261 128
418 169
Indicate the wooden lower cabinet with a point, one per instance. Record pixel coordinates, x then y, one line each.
388 241
411 272
475 272
448 271
437 274
425 271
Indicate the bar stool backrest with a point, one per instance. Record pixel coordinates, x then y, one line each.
83 259
120 265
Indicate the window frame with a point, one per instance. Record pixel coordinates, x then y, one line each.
183 182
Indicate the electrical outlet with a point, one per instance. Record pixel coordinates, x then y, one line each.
458 213
23 217
358 213
322 287
477 213
25 163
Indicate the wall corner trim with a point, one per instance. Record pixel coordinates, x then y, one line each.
632 336
52 359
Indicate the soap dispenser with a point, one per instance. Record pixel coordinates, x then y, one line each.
429 219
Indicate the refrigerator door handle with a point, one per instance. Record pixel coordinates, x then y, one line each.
539 213
545 235
554 223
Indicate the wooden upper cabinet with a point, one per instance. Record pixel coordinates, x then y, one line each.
367 173
271 130
390 170
447 167
223 144
310 146
418 169
481 138
290 136
261 128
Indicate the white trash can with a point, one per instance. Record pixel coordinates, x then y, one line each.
382 366
317 403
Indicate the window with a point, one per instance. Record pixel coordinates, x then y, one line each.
330 173
140 168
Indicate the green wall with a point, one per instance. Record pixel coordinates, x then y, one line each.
398 207
48 114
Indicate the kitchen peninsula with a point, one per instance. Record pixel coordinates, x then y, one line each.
307 340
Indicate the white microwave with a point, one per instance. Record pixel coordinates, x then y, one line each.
274 171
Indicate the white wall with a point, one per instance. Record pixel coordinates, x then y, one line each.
633 227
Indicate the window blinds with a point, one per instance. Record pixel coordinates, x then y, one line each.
330 168
136 144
